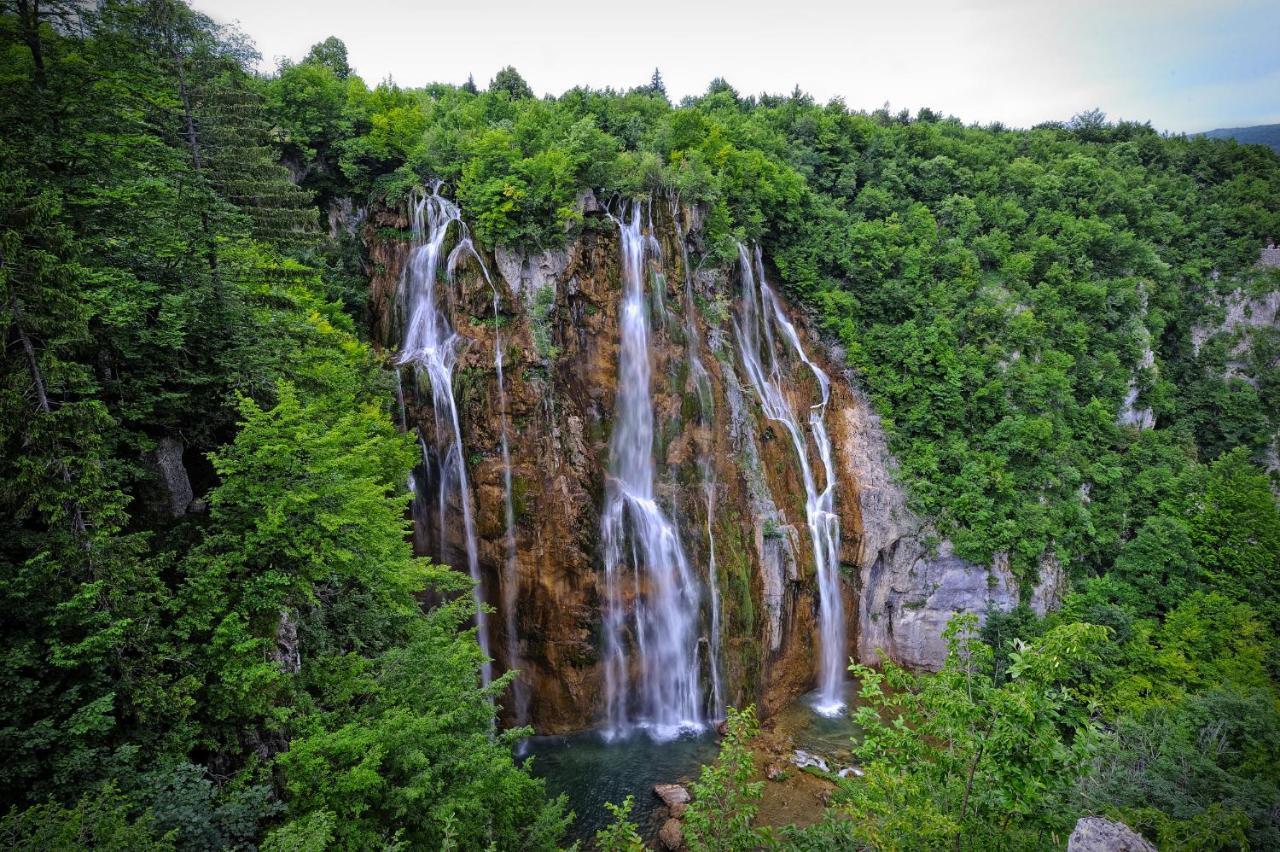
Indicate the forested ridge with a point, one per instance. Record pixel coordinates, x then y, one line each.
1038 315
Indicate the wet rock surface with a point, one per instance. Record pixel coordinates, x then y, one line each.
561 364
557 322
671 835
671 794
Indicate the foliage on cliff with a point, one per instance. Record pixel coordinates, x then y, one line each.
993 288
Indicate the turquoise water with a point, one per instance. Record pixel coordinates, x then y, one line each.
829 736
592 772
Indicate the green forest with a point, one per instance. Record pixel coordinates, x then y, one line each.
276 670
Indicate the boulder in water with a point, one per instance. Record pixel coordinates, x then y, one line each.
1095 834
802 758
671 794
671 835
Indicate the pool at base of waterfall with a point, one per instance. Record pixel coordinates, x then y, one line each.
812 727
590 769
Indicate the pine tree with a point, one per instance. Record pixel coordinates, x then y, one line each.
656 86
244 167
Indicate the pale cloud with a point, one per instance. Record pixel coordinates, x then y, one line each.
1182 65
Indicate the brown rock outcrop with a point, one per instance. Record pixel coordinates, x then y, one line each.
671 835
713 447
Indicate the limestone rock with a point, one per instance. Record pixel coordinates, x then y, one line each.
287 656
1139 418
1095 834
173 475
671 835
1240 312
909 590
526 273
919 603
671 794
714 447
802 758
774 772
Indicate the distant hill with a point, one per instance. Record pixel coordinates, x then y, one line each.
1262 134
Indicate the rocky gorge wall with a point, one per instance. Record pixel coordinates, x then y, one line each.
728 476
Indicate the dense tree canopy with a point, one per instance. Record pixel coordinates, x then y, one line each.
261 666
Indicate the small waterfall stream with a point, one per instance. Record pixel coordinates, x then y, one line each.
510 572
758 317
651 594
430 347
701 385
509 585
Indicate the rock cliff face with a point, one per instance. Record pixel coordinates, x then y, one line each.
727 475
911 584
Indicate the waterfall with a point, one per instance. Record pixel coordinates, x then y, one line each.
430 346
651 596
759 315
717 687
701 383
510 572
404 421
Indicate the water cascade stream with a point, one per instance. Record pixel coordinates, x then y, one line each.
700 382
430 346
651 594
758 317
510 571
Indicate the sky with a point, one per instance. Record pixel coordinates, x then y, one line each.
1184 66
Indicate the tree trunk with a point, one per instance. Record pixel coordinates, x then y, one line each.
42 400
29 23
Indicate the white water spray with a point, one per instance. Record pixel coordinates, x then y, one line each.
430 346
758 316
651 595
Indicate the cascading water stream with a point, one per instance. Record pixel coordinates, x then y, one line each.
430 346
701 382
651 595
510 573
758 315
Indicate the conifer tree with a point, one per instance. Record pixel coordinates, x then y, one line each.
656 86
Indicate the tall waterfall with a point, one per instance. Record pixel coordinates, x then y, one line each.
430 346
652 598
757 319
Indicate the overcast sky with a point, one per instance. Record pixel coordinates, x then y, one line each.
1184 66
